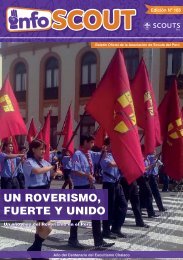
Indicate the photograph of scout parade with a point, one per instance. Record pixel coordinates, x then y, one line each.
76 117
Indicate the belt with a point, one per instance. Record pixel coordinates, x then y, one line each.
10 178
46 186
110 176
87 186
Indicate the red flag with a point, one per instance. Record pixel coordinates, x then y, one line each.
40 135
100 135
44 135
112 106
10 117
172 133
32 132
67 131
146 108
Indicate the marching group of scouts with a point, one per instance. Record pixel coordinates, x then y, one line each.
30 170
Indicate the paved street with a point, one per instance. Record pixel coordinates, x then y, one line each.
166 232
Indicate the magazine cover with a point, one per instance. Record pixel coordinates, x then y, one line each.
91 129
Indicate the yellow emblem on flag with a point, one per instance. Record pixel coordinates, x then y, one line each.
127 118
148 99
5 104
175 129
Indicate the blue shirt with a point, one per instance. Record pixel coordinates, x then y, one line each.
6 166
113 171
52 157
32 179
80 164
66 162
151 160
20 165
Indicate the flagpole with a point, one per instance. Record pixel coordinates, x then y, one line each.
16 168
28 131
178 73
142 137
1 146
75 131
151 168
62 128
59 140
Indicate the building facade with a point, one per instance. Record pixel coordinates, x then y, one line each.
55 75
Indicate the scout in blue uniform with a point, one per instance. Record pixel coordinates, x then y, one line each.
153 163
67 166
131 192
145 193
38 172
9 167
117 205
83 162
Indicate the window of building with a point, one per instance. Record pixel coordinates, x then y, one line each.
87 126
131 57
174 67
20 79
51 78
88 74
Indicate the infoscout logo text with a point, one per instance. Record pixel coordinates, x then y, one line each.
25 19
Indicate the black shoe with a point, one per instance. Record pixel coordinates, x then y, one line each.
143 213
142 225
75 244
109 235
153 216
104 244
118 233
163 209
